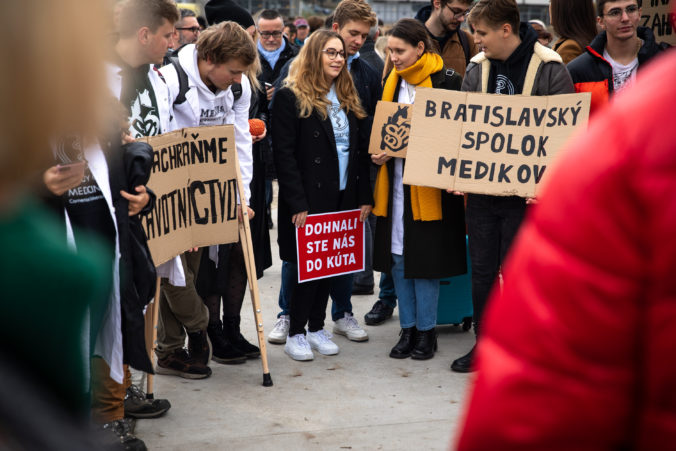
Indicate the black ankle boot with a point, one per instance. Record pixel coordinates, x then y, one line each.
425 345
465 364
223 350
199 346
405 345
233 335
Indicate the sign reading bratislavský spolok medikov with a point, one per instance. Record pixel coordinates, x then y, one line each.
488 143
194 177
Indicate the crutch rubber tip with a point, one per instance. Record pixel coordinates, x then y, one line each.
267 380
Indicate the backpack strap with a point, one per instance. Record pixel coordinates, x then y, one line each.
183 85
236 89
462 37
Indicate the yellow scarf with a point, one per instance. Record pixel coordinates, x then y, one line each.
425 202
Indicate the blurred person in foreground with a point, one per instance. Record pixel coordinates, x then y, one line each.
590 284
48 289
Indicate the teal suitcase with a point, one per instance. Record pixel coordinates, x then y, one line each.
455 299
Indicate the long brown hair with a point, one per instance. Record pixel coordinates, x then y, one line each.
410 31
574 19
307 80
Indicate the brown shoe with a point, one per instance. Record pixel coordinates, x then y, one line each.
180 363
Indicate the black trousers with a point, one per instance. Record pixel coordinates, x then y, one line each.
493 222
308 306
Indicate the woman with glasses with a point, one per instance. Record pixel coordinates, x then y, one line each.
320 151
574 22
420 231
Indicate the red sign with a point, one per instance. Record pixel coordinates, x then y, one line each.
330 244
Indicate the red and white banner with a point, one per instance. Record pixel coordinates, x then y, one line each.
330 244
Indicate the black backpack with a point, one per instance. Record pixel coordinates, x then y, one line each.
183 87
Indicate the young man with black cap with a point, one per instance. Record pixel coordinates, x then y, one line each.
218 11
512 62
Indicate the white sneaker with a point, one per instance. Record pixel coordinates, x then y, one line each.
298 348
321 341
349 327
280 331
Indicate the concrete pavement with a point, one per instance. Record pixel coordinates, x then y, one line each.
359 399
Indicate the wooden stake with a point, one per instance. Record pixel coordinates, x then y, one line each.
151 336
247 248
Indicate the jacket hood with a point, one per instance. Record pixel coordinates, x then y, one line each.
424 13
187 57
528 39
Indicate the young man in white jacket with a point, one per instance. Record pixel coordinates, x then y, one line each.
200 82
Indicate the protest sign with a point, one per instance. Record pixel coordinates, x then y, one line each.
194 177
391 128
330 244
656 15
488 143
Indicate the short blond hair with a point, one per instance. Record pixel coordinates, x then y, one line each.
354 10
225 41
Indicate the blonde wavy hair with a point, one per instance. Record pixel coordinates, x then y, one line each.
307 81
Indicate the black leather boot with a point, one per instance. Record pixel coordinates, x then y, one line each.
405 345
224 351
425 345
465 364
233 335
199 346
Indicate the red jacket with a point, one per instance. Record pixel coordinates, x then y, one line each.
579 351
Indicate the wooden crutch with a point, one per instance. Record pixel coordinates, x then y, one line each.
151 336
247 248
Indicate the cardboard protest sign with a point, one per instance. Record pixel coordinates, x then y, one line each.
194 177
330 244
488 143
391 128
656 15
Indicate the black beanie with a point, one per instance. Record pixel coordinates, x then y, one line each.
218 11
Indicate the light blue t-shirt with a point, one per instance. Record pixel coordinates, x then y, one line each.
341 132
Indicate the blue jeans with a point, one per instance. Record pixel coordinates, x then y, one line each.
341 291
418 298
387 292
493 222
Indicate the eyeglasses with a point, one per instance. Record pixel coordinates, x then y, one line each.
616 13
457 14
333 53
270 34
193 29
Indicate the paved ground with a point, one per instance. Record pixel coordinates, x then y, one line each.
360 399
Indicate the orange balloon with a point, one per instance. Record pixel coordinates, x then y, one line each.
256 127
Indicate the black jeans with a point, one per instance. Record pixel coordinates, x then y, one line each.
493 222
308 306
